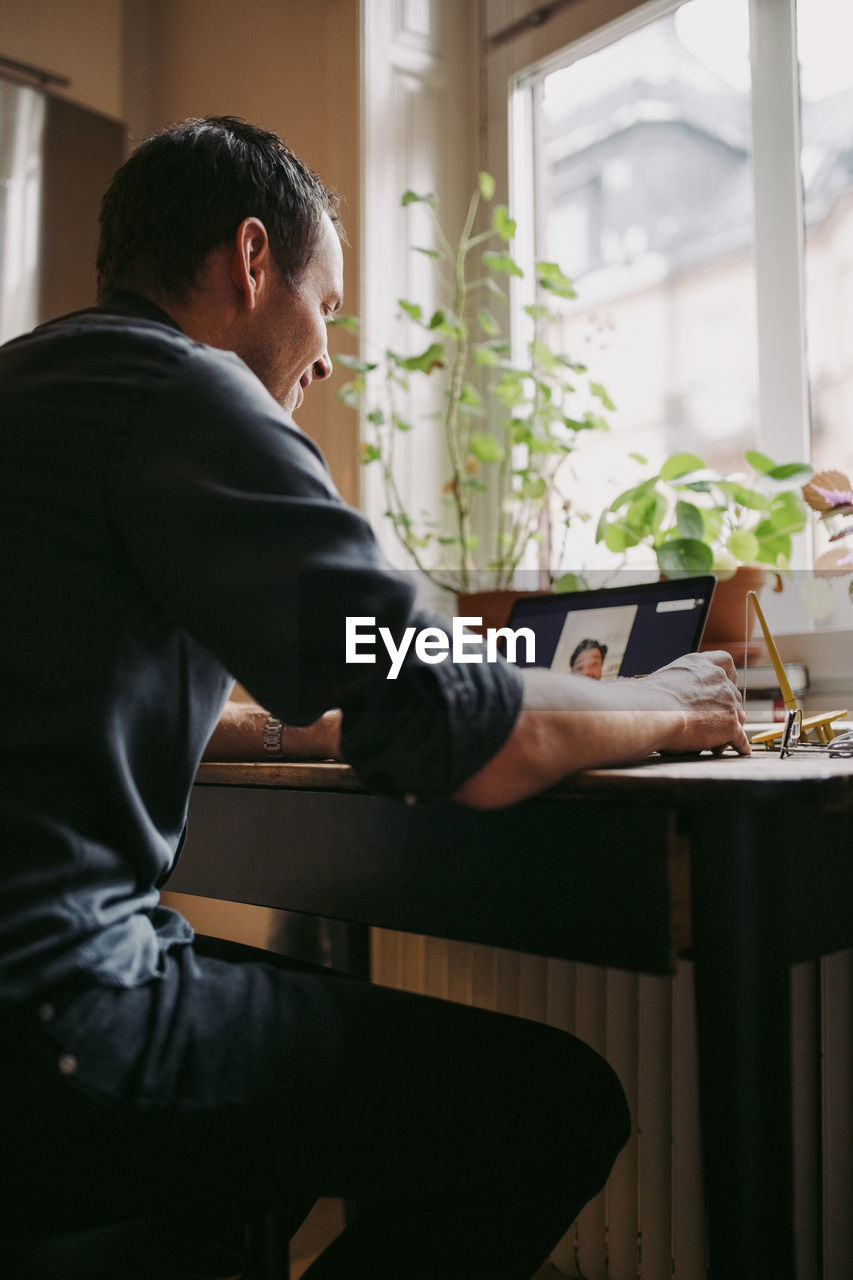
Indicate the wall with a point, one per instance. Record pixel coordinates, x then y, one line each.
80 39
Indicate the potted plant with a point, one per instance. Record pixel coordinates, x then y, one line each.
698 521
507 427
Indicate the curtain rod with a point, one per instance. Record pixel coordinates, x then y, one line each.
535 18
33 73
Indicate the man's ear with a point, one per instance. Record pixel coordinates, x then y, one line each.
250 260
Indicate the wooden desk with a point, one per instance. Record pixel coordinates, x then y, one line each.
746 863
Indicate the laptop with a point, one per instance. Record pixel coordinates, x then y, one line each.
614 631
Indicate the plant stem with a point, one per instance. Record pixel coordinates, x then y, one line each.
456 439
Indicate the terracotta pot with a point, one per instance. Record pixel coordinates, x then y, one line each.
494 607
727 619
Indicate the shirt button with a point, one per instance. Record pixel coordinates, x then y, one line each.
67 1064
46 1012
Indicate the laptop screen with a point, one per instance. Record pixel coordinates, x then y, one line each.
615 631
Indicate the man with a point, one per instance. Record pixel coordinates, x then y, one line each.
588 659
167 527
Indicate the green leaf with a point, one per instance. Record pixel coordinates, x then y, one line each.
618 537
484 354
542 357
681 464
638 457
493 287
787 514
502 263
509 390
551 277
790 471
646 514
689 520
485 448
502 222
430 253
350 395
487 322
712 519
775 550
759 461
601 527
684 555
369 453
412 309
570 582
486 185
432 358
598 390
628 495
743 545
449 324
353 362
376 417
533 488
738 493
412 197
401 424
350 324
469 395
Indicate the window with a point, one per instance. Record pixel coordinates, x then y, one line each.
644 147
700 193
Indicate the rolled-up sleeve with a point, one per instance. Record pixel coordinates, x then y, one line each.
235 527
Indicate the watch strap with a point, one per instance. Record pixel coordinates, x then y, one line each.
272 738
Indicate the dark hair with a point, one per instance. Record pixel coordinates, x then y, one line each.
588 644
187 189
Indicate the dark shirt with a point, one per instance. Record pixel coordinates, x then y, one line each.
165 527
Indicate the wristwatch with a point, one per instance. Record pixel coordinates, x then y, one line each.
272 738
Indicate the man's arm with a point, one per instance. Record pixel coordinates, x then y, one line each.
239 736
569 723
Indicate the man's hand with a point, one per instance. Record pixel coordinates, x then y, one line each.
704 686
569 722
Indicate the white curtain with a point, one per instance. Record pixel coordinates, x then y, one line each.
22 113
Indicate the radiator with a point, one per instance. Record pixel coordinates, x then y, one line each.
648 1223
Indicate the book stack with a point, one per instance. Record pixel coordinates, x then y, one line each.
762 696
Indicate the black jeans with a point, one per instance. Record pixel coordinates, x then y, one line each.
468 1140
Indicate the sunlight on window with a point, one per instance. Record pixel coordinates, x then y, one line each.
645 197
824 36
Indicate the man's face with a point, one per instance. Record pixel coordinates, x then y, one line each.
588 663
289 348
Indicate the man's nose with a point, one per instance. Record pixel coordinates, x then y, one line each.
322 367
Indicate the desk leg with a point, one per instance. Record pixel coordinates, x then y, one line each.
743 1018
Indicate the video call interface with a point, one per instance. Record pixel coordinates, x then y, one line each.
622 631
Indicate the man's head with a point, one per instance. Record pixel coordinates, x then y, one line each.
588 659
218 221
187 189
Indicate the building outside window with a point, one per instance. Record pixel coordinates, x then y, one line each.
651 191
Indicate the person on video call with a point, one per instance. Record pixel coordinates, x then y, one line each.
588 659
167 528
